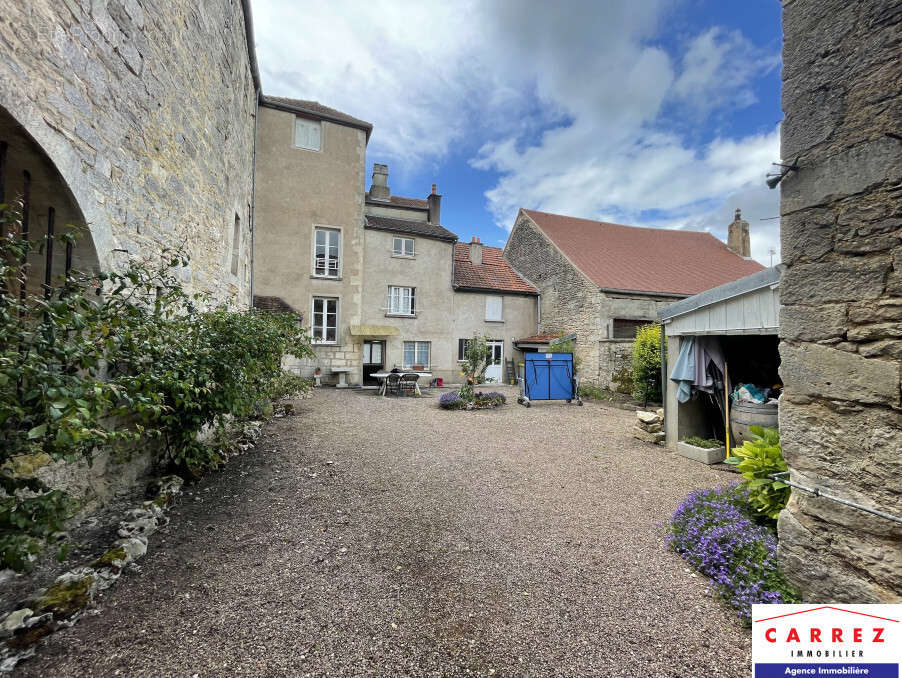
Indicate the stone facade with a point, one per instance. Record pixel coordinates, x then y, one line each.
570 302
841 350
147 112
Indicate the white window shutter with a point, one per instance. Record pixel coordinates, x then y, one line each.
493 308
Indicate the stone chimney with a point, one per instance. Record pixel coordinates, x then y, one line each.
738 236
380 190
475 251
435 207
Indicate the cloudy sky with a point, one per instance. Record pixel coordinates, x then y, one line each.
643 112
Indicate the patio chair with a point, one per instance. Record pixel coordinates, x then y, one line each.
392 382
408 383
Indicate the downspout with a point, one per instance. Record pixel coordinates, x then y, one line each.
664 375
258 92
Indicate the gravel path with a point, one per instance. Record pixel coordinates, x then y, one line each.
387 537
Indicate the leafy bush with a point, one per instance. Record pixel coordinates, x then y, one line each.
715 532
116 359
647 363
757 459
706 443
451 401
568 346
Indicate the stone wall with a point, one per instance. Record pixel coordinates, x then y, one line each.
570 301
841 320
146 109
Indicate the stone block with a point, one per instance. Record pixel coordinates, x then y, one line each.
875 332
851 279
704 455
812 323
851 171
641 434
647 417
821 371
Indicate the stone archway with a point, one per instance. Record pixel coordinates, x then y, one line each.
29 177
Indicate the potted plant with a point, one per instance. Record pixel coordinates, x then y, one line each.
705 450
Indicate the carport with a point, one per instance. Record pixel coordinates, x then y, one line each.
740 320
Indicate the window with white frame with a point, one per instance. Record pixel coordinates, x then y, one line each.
402 247
327 253
325 320
402 300
416 353
462 345
493 309
308 134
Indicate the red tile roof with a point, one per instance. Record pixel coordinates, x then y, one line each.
541 338
644 259
493 274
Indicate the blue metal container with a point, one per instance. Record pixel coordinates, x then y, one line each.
548 376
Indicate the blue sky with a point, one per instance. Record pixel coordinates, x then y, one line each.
649 112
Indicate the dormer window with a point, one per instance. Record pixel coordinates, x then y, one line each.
308 134
402 247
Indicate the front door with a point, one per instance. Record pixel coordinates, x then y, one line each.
373 361
493 371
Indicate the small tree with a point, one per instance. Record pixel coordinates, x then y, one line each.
477 357
647 363
568 346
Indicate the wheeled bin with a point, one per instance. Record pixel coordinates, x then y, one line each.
548 376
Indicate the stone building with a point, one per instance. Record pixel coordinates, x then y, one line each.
841 295
108 124
601 281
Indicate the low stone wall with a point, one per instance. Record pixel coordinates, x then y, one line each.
841 320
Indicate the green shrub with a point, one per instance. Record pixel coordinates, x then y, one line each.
706 443
757 459
647 363
116 359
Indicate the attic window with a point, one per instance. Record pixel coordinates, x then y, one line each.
308 134
626 328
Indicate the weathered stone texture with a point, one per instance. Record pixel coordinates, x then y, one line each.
147 111
841 413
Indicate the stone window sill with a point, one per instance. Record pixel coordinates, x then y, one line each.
324 277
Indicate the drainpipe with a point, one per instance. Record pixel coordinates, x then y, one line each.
258 93
664 376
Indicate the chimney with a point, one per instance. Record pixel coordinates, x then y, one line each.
475 251
435 207
738 236
380 190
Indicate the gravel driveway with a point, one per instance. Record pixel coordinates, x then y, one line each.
387 537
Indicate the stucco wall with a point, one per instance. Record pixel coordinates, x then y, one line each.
841 349
147 111
298 189
396 212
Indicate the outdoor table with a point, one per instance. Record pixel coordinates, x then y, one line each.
382 376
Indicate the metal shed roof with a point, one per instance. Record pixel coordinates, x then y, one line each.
749 305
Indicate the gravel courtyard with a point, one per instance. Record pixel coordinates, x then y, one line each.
387 537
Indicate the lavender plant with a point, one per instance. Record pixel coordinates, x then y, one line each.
715 532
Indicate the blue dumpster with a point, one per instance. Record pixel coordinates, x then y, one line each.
548 376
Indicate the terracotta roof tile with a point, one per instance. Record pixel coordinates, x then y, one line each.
494 273
542 338
422 228
644 259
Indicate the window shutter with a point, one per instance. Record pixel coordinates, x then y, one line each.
493 308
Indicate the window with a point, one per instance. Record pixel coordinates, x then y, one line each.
402 300
493 309
236 242
326 259
307 133
626 329
462 349
416 353
402 247
325 320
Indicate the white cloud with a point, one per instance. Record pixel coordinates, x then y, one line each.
573 109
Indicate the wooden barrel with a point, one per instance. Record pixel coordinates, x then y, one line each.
743 415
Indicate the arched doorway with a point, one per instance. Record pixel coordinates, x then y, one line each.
30 182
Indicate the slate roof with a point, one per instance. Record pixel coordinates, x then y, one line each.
399 201
629 258
493 274
421 228
317 110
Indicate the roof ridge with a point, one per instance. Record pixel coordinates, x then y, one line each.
612 223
